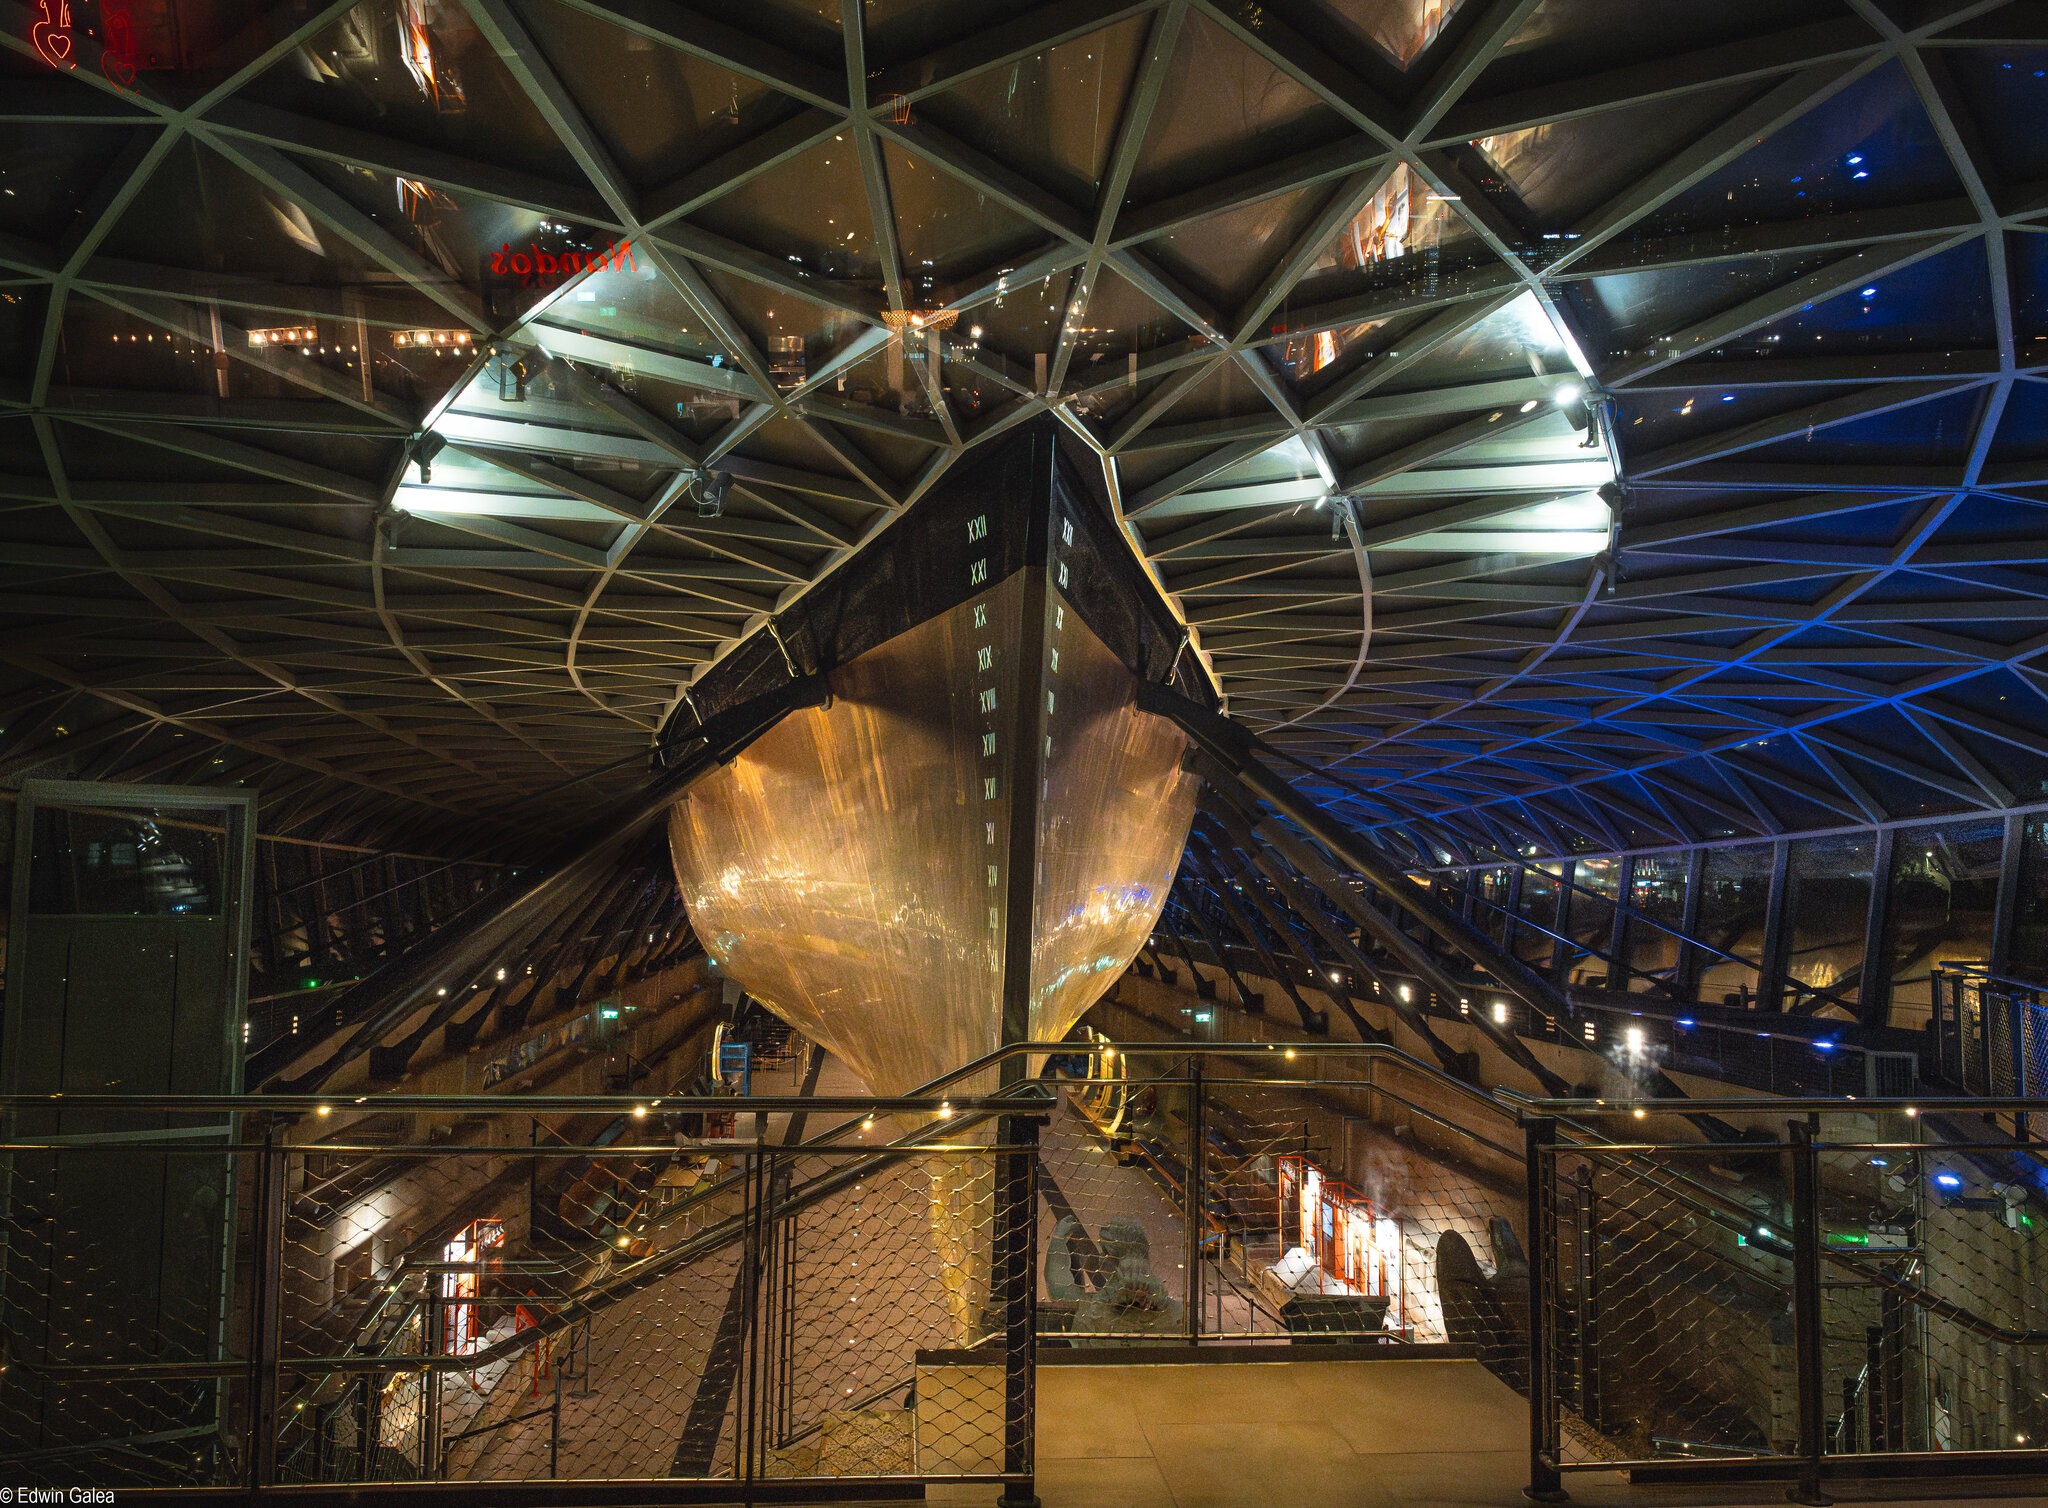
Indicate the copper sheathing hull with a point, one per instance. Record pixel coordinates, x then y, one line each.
852 869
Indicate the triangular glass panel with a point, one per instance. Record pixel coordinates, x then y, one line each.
973 394
1939 303
2023 429
947 229
785 328
636 305
1053 117
105 347
53 170
899 29
1101 407
661 112
1563 170
1870 146
1227 392
891 380
1223 109
1225 257
1399 31
1935 433
514 258
1652 419
1022 321
22 307
2001 85
248 226
2028 258
897 457
1312 360
808 27
1403 235
416 71
790 442
1120 319
1623 312
1573 38
1515 341
811 210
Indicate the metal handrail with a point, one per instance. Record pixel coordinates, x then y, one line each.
1561 1109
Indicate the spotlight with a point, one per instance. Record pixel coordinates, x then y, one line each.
1569 394
710 489
424 449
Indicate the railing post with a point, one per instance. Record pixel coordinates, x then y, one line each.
1539 1144
433 1464
555 1428
2016 1027
1984 1030
1806 1238
747 1463
1016 1275
263 1310
1195 1198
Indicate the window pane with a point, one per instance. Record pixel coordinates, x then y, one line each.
2030 905
1591 917
1944 894
1658 892
91 863
1538 910
1735 895
1827 916
1493 901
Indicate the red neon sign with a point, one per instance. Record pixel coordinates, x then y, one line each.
117 47
53 34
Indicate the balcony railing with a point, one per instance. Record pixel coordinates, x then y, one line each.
1822 1289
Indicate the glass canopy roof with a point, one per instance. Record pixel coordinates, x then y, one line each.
1563 417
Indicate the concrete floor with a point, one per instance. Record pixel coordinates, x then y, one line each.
1374 1434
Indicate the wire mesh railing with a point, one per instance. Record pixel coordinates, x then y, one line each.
1262 1194
1990 1033
406 1290
227 1294
1798 1288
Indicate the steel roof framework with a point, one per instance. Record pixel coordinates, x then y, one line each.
1819 598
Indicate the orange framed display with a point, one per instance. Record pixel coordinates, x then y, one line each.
1355 1242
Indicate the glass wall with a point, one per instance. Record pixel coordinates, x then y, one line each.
1539 906
2030 903
1590 917
1657 890
1827 918
1735 897
1943 901
1493 916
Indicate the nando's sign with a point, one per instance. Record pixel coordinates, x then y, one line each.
534 268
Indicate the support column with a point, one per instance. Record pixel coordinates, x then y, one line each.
1539 1145
1806 1319
1016 1281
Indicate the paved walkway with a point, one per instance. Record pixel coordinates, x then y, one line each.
1373 1434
